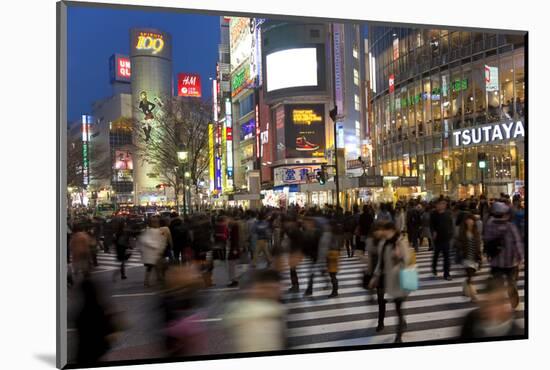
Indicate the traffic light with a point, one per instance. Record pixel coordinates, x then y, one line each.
482 160
333 113
321 177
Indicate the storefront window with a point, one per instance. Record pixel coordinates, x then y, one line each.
493 96
468 95
465 38
435 98
456 97
519 81
478 74
470 165
425 98
445 94
412 115
506 80
444 44
398 116
455 40
417 101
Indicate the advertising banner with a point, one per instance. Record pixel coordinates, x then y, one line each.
304 130
248 129
189 84
294 174
120 68
123 160
338 66
241 79
240 40
280 132
491 78
150 42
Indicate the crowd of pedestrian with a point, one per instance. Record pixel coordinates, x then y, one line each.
257 248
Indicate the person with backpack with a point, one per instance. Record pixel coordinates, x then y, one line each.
503 246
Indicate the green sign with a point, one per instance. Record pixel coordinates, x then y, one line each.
456 86
240 78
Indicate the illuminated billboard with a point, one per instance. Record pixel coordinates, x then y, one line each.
189 84
120 68
150 42
240 40
291 68
304 130
123 160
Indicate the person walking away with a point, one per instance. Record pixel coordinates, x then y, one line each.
312 236
122 244
202 247
504 248
79 246
349 228
220 237
414 224
295 255
333 255
469 243
257 321
365 223
152 248
384 214
180 238
252 235
234 252
425 229
441 224
494 317
393 255
263 235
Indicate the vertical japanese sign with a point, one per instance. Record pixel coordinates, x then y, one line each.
86 120
229 142
211 155
338 64
257 132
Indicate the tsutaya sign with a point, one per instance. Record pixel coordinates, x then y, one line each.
488 133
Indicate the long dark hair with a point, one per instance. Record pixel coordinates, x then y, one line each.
462 233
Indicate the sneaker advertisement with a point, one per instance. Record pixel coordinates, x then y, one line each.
305 130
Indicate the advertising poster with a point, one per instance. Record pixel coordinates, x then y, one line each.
280 132
248 129
123 160
305 130
491 78
150 108
189 84
240 40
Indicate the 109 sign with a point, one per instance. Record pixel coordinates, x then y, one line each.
150 42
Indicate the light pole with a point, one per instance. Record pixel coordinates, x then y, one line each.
182 158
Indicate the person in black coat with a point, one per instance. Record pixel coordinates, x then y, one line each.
365 223
180 238
414 223
441 224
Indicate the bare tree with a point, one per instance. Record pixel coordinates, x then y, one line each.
180 122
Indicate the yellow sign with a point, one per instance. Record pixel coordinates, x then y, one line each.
150 41
305 116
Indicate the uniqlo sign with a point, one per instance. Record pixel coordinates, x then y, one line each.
120 68
189 84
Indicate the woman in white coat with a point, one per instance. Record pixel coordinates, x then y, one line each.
152 244
394 255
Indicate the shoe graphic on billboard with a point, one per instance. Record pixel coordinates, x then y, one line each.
305 146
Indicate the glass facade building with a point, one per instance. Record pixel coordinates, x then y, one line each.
428 86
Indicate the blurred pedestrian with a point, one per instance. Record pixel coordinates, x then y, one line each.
152 245
504 248
263 236
349 228
393 255
257 322
414 223
469 243
80 250
425 230
442 229
494 317
122 245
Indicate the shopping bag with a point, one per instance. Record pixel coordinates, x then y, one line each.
408 279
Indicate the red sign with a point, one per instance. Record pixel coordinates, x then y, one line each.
189 84
392 83
123 68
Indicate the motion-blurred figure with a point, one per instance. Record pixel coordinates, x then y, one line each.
494 317
257 322
152 244
442 228
393 255
504 248
122 244
469 244
80 248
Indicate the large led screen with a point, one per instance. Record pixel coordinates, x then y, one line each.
291 68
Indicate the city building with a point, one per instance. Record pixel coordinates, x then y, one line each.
448 111
151 85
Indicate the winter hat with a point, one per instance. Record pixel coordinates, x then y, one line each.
499 208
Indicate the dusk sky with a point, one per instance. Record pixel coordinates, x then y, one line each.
94 34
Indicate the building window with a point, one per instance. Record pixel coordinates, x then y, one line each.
357 103
355 53
356 77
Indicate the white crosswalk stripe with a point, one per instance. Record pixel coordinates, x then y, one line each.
435 311
109 262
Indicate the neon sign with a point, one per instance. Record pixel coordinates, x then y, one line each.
150 41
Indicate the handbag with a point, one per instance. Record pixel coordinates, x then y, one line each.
408 279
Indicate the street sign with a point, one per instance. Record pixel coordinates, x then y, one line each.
371 182
409 181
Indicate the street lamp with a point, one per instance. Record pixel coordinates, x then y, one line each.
183 155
